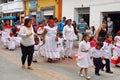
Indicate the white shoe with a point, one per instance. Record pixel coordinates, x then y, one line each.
80 74
88 77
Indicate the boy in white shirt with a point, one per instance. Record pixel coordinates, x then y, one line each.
96 54
107 52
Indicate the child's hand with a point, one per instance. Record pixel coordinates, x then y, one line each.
56 39
91 57
102 57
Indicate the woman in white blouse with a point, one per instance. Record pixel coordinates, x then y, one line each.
68 35
27 43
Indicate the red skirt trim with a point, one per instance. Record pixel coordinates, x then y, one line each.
115 61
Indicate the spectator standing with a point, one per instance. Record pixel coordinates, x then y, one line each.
82 27
61 24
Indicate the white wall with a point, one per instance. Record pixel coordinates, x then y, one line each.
96 12
69 9
69 6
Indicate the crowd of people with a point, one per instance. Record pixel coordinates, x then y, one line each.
54 41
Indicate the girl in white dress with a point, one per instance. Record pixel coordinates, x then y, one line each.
68 35
60 45
40 30
11 42
50 39
85 62
117 50
37 46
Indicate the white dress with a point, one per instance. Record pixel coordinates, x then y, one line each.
85 62
60 47
51 50
42 48
117 39
11 43
4 37
36 53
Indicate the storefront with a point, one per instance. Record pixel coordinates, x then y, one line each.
13 8
50 8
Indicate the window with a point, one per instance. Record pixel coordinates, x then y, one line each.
10 0
5 1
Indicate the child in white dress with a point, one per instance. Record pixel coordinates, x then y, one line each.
116 51
11 42
37 46
40 31
60 45
85 62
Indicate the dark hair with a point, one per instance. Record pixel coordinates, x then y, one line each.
36 39
85 35
68 21
27 20
91 38
107 36
99 44
64 17
60 34
93 29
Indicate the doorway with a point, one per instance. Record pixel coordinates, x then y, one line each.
84 13
115 17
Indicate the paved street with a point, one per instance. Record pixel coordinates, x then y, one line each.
10 69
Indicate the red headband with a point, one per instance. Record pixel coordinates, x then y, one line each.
51 21
118 32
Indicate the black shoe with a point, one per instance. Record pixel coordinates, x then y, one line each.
65 56
70 57
34 61
97 74
117 66
102 69
109 72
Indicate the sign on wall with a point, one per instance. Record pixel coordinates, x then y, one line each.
37 17
32 4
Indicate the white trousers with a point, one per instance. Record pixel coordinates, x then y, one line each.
80 36
69 46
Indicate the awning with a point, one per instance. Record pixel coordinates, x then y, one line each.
8 18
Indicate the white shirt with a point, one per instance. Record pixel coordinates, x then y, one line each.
68 32
26 41
107 50
96 53
84 46
37 47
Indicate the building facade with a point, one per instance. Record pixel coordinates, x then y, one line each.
11 8
43 9
94 11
